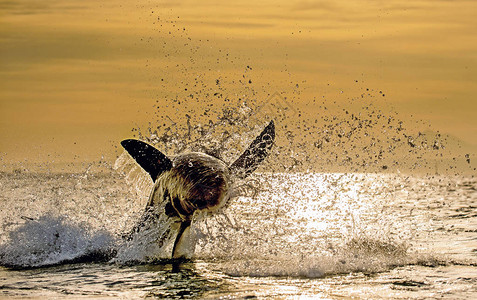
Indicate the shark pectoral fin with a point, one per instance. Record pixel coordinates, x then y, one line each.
179 243
255 153
148 157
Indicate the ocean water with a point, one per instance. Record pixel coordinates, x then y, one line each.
289 235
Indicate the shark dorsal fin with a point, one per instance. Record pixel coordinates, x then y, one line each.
148 157
255 153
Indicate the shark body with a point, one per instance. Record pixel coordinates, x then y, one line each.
194 181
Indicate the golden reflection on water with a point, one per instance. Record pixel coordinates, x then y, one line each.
76 76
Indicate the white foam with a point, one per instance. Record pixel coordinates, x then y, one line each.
52 240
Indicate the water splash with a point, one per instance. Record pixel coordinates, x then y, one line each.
51 240
292 215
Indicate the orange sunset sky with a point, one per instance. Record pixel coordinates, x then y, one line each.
77 76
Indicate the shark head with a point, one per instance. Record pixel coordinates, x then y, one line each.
196 181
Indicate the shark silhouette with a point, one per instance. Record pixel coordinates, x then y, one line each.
194 181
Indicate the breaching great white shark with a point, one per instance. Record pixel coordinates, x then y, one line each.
194 181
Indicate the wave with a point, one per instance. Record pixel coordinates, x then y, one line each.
52 240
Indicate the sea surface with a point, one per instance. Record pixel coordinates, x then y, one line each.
289 235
